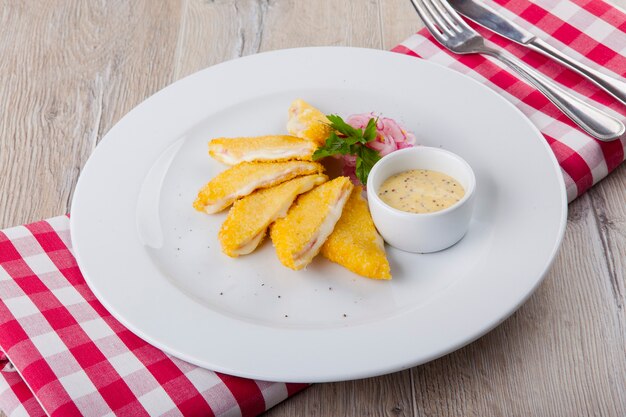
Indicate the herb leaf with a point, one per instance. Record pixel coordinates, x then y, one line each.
337 123
370 130
347 140
366 158
334 145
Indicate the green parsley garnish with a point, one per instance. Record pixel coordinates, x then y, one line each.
347 140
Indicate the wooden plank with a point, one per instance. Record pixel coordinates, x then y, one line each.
213 32
247 27
388 395
399 21
69 73
293 23
608 204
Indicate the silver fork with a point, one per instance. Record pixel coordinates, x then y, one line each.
451 31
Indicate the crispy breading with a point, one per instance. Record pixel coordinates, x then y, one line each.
244 228
305 121
242 179
299 236
355 243
261 149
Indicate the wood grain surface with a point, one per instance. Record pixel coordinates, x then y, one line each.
71 69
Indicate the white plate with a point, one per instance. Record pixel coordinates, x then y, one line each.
155 263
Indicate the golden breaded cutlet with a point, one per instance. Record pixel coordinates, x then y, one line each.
299 235
305 121
355 243
274 148
248 219
242 179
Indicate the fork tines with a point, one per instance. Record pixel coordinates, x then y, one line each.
440 19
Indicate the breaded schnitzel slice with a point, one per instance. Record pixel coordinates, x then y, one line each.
355 243
242 179
299 236
249 218
232 151
305 121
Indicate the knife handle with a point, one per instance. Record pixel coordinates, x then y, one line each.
613 86
592 120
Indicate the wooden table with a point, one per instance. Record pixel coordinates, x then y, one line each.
70 70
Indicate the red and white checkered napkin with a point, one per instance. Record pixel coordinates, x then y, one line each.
70 357
591 31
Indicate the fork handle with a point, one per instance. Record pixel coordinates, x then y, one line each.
595 122
612 85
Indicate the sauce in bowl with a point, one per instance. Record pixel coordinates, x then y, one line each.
421 191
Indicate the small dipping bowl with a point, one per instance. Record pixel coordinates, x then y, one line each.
422 232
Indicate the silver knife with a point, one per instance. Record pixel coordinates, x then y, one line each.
485 16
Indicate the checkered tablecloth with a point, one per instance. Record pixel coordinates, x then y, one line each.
77 360
590 31
62 354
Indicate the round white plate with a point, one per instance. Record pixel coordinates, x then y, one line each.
156 265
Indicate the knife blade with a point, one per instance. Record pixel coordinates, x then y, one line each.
487 17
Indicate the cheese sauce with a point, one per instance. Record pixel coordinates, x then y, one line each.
421 191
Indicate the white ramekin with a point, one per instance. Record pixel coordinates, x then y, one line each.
422 232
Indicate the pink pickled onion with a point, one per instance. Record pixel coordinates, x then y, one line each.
390 137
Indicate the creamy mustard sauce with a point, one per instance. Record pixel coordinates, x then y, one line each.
421 191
